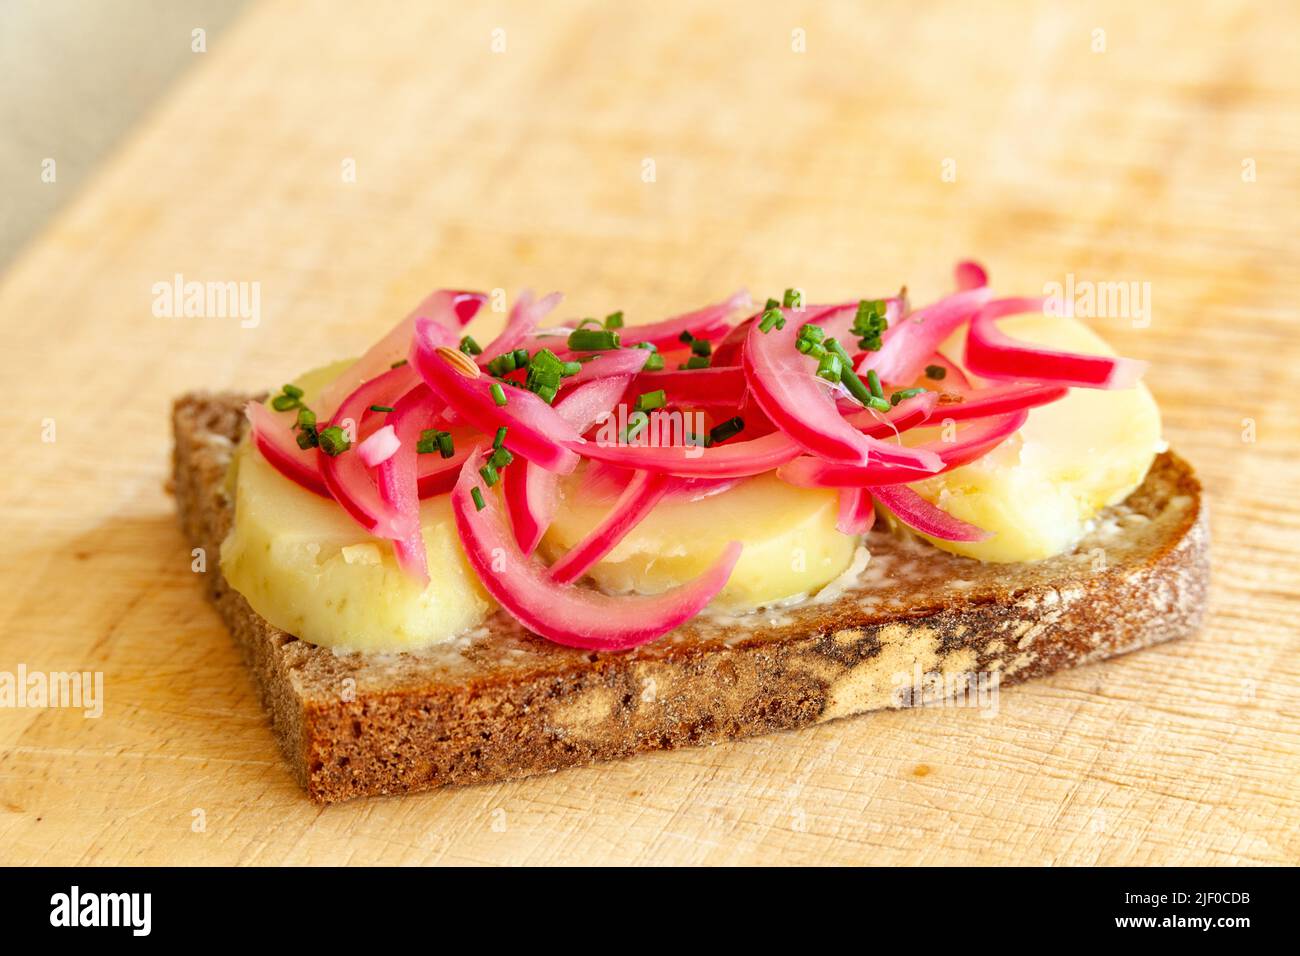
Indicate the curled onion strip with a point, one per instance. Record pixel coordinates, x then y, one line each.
273 436
531 493
536 431
976 439
857 511
346 475
642 493
909 343
783 383
992 354
447 309
919 515
567 614
706 323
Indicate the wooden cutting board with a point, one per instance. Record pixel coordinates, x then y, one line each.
650 157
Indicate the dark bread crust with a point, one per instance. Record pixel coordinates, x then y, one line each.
503 703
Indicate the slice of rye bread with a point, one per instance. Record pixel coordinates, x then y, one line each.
500 702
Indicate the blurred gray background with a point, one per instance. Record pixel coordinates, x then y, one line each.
75 75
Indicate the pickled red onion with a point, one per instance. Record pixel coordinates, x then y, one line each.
697 388
782 382
346 475
970 275
991 353
857 511
531 493
379 447
919 515
999 400
909 343
605 364
447 309
397 476
525 315
273 436
564 613
978 438
642 493
705 323
536 431
735 459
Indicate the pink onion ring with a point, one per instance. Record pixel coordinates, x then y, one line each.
536 431
531 493
857 511
346 475
705 323
448 309
978 438
273 436
379 447
605 364
992 354
970 275
736 459
697 388
642 493
525 315
919 515
567 614
909 343
1000 400
783 383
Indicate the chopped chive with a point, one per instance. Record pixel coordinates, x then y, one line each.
470 347
381 408
500 439
333 441
293 391
646 345
772 319
477 495
426 446
498 394
686 338
793 299
873 382
654 363
521 357
593 340
589 319
446 447
904 394
305 416
614 320
869 323
879 404
570 368
283 403
724 430
647 401
830 367
500 458
547 393
398 364
307 437
694 362
771 304
936 372
489 475
702 347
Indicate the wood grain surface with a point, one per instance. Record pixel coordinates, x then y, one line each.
1164 150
